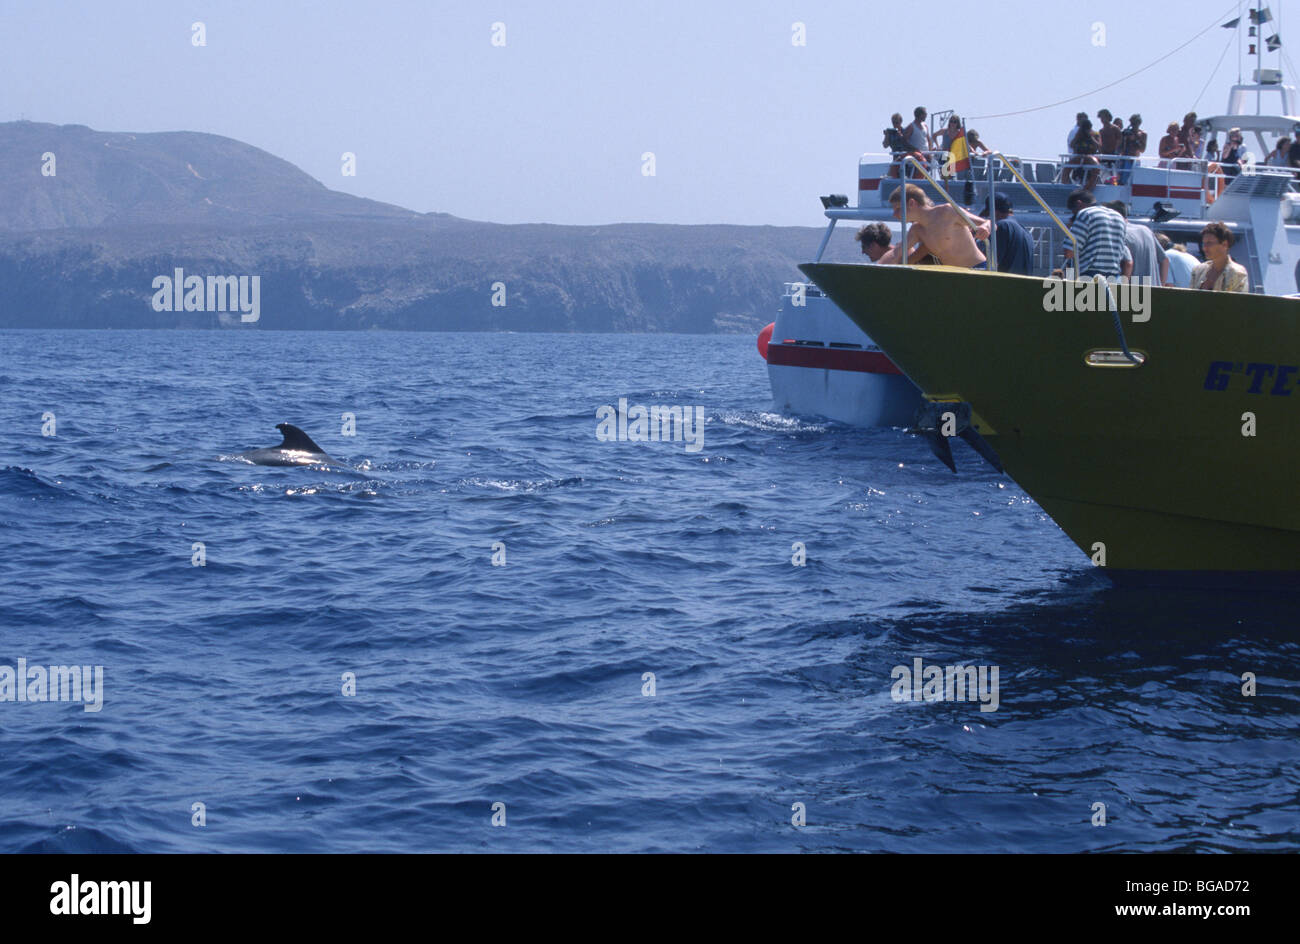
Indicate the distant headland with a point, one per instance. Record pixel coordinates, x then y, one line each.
93 222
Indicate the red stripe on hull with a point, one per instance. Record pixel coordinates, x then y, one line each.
830 358
1173 193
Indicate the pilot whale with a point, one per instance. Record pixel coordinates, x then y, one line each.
296 449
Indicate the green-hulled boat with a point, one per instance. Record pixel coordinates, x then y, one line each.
1181 464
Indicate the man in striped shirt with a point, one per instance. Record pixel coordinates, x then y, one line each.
1100 234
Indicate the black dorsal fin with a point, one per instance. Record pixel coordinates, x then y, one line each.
296 439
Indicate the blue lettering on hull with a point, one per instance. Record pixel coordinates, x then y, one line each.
1255 377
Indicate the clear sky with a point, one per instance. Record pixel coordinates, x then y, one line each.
745 126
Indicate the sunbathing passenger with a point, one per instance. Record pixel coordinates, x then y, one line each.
939 230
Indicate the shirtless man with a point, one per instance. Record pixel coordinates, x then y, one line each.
938 230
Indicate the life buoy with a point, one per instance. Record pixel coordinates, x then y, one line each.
764 337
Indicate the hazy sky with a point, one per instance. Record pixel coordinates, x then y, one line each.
745 126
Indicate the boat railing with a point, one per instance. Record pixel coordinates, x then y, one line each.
1129 357
1113 170
897 160
992 182
801 289
1215 176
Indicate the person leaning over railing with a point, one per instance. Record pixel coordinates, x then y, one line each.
938 230
1219 273
1100 234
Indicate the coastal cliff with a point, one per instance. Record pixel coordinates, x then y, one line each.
82 248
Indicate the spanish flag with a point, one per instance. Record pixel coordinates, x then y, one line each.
958 155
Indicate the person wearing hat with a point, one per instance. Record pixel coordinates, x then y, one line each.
1015 248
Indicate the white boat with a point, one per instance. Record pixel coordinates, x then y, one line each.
820 363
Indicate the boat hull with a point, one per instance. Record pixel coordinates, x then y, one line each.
855 397
820 363
1154 466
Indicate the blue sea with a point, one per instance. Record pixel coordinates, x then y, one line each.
674 650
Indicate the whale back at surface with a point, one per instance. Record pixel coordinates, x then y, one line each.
295 439
296 448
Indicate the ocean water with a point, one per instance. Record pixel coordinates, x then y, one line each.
525 684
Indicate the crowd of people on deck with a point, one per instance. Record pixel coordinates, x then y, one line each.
1102 152
1107 244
